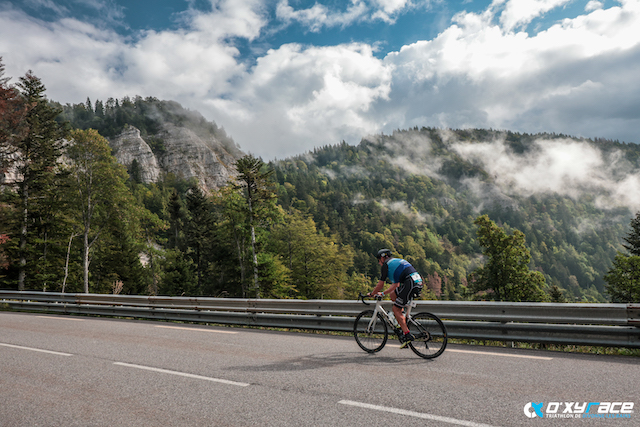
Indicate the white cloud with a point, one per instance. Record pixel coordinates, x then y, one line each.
577 77
593 5
304 97
320 16
561 166
474 74
403 208
46 4
386 9
76 59
229 18
519 13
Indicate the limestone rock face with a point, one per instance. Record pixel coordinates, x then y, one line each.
129 146
178 150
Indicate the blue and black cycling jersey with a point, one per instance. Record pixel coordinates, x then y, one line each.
397 270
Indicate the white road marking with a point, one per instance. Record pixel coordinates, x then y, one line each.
61 318
57 353
415 414
488 353
182 374
196 329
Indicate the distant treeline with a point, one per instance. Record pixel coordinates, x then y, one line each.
148 115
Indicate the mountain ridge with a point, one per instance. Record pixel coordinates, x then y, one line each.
153 138
426 186
418 191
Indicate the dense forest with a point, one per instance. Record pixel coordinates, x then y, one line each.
413 193
304 227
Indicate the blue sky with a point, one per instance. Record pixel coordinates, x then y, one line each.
285 76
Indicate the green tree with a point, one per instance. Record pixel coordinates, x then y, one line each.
177 276
176 218
100 192
198 232
506 275
12 112
232 236
556 294
623 279
633 237
254 179
319 266
36 150
275 277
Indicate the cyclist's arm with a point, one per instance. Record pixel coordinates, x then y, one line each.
380 285
378 288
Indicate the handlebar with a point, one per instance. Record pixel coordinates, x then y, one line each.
362 297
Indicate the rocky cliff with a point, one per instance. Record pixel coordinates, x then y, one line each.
176 150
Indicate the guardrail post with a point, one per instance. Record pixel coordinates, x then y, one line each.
633 315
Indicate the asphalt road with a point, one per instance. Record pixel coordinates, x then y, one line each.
81 371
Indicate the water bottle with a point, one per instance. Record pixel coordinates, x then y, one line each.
394 321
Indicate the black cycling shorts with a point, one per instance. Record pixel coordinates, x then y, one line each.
407 289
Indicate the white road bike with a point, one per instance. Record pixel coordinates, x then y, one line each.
371 330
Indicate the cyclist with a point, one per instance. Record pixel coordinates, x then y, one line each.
406 284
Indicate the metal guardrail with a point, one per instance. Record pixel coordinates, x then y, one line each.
611 325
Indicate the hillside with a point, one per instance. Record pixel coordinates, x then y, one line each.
418 192
154 138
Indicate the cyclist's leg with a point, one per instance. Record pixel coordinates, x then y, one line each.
402 321
397 312
401 297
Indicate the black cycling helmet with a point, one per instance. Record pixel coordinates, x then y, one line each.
383 252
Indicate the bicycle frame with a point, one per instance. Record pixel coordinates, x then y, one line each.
389 317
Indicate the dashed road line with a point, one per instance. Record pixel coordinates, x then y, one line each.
415 414
57 353
61 318
488 353
196 329
182 374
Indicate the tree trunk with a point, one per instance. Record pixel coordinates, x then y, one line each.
243 283
256 283
255 262
85 261
23 235
66 264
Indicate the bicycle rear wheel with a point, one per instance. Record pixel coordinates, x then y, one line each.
370 336
430 334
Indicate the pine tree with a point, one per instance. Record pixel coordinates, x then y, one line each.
633 238
176 216
556 294
623 279
198 230
37 150
256 182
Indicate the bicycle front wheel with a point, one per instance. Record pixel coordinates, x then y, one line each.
370 333
430 334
